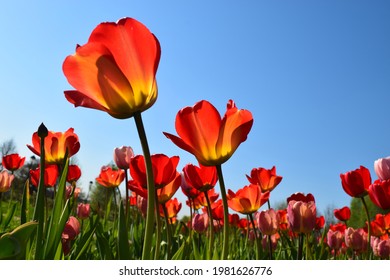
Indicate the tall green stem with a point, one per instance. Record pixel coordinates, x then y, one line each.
257 238
225 248
211 227
149 227
368 221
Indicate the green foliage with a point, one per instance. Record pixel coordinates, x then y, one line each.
358 214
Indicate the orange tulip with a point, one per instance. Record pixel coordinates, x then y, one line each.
115 70
165 193
56 145
265 178
110 178
172 206
248 199
209 138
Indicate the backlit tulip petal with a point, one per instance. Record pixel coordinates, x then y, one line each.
248 199
13 162
115 70
379 193
356 182
209 138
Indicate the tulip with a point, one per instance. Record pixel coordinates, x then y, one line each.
355 183
74 173
200 222
164 169
209 138
56 145
382 168
172 208
301 197
50 176
343 214
123 156
301 216
380 248
335 239
188 190
202 178
5 181
83 210
268 221
356 239
70 232
248 199
115 70
166 193
13 162
379 193
265 178
110 178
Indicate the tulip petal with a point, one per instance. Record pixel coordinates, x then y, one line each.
140 64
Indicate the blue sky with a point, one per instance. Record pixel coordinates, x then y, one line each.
314 74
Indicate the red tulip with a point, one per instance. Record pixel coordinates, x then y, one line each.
13 162
210 138
71 230
320 223
164 169
343 214
56 145
265 178
74 173
167 192
115 70
188 190
355 183
379 193
248 199
202 178
5 181
50 176
110 178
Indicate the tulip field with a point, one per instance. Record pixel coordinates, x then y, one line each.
115 72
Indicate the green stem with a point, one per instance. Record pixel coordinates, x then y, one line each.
368 222
158 231
300 246
149 227
211 227
270 247
257 238
225 248
169 231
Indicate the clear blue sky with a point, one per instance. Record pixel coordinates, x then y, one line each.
315 75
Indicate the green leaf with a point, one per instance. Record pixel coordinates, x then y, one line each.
10 214
59 217
25 207
13 244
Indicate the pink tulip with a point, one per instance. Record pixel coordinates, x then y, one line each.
5 181
356 239
123 156
380 248
200 222
301 216
335 239
268 221
83 210
382 168
70 232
